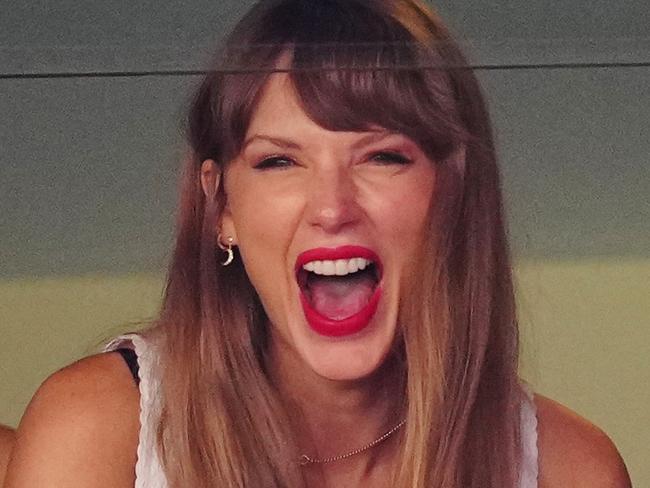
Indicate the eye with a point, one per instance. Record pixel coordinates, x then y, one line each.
274 162
390 157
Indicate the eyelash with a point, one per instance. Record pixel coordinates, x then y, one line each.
390 157
383 157
272 162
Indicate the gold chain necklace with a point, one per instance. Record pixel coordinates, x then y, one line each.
305 459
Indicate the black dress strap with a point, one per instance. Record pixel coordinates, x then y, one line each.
131 360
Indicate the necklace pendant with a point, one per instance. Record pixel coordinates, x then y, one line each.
305 460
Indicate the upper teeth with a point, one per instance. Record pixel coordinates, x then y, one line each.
338 267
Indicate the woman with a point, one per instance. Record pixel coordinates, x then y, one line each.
339 310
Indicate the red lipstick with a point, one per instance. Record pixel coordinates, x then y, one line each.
350 325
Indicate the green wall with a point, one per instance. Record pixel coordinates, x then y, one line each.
90 140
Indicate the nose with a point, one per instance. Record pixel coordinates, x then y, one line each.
333 200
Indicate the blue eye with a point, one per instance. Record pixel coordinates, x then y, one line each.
274 162
390 157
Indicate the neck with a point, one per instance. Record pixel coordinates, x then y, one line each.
332 418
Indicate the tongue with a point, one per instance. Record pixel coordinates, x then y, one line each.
340 297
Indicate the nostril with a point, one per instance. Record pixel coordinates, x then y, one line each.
332 204
332 218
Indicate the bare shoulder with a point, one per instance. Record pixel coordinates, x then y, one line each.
7 436
6 445
80 429
574 452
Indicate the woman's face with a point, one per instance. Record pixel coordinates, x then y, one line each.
327 224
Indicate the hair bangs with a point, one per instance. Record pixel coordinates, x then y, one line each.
356 90
353 70
356 68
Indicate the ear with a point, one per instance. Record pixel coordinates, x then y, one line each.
210 178
210 181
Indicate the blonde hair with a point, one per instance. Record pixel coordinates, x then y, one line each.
223 423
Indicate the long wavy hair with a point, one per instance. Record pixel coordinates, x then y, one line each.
354 64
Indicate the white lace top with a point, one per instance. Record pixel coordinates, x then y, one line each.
149 472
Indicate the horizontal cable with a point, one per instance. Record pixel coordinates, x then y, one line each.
164 73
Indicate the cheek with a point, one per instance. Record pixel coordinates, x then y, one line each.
406 228
264 220
250 206
405 214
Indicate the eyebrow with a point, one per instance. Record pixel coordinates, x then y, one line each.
369 138
278 141
373 136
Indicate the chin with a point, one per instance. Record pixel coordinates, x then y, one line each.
342 369
353 348
350 358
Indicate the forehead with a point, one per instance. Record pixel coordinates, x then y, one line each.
280 116
278 102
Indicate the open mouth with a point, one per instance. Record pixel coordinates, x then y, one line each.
340 288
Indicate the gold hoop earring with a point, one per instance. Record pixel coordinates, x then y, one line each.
227 248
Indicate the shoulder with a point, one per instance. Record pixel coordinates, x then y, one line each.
80 429
6 440
6 434
6 445
574 452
